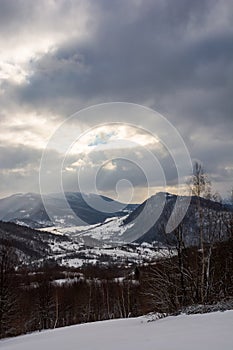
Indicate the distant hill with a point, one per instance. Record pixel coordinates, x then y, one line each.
148 223
215 218
115 240
29 244
29 209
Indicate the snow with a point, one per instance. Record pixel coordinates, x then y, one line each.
93 255
111 229
104 242
22 223
65 281
208 331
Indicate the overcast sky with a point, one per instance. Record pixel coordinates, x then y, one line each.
58 57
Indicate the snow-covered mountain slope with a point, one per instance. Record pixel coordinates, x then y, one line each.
150 219
36 247
30 245
207 331
109 232
110 241
55 209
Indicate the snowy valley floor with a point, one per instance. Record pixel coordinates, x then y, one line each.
212 331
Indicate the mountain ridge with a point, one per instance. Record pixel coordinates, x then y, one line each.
32 209
156 232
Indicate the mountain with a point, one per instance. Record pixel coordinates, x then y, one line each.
55 209
68 242
149 220
30 245
136 236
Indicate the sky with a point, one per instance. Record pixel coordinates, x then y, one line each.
174 57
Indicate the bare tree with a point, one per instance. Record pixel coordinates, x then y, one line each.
200 187
199 182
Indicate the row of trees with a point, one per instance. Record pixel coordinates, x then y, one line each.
177 281
36 301
200 185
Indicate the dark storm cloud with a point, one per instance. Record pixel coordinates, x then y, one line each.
162 51
21 18
216 156
174 56
13 13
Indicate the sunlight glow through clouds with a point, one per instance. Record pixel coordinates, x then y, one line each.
12 72
30 130
111 137
40 35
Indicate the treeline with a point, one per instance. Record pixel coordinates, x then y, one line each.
50 298
32 301
176 282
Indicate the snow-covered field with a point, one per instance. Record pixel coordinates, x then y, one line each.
203 332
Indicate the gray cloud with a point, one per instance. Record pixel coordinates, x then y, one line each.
174 56
18 169
18 157
142 167
167 54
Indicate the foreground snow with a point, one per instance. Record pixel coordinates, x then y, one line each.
209 331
